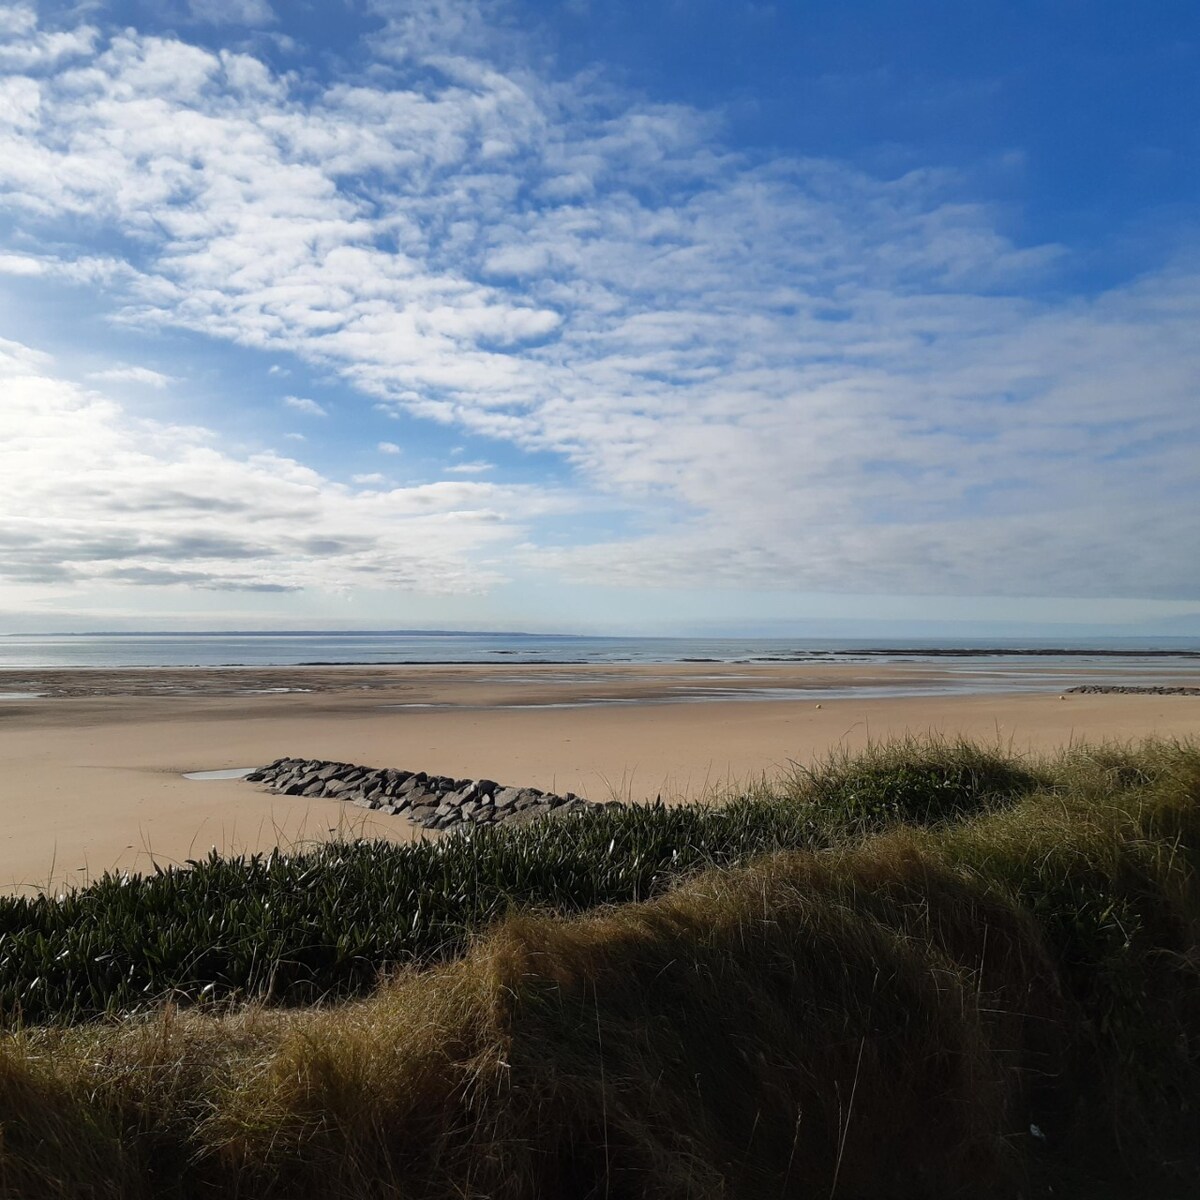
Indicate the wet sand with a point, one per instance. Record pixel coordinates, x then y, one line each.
91 773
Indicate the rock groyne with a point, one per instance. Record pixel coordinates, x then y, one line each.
1118 689
430 801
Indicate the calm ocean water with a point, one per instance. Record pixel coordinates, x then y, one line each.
1139 656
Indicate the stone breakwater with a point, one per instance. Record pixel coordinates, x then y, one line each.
1113 689
430 801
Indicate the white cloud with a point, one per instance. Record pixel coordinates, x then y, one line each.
21 264
20 102
471 468
302 404
142 375
798 374
17 20
373 477
91 497
24 47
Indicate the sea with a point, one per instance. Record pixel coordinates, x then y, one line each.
964 666
265 649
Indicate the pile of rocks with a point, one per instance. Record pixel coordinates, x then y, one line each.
430 801
1113 689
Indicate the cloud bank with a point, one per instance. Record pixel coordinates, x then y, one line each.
92 497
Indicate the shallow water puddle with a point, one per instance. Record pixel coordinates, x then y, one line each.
228 773
21 695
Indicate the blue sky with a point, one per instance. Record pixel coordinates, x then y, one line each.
675 316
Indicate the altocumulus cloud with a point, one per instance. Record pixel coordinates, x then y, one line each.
91 496
304 405
796 374
142 375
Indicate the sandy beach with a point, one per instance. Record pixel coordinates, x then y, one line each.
91 769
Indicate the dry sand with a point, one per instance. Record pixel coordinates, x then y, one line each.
91 773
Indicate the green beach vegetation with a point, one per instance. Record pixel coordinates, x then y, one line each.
931 969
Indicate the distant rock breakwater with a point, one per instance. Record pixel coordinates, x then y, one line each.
1115 689
429 801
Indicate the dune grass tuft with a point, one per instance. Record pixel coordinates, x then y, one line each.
920 781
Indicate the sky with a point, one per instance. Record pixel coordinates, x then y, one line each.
666 316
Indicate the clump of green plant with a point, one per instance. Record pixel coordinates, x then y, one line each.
325 922
914 781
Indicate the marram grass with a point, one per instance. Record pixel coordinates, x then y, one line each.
904 996
323 923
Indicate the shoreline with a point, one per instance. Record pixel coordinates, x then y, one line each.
93 779
502 658
1152 658
635 680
